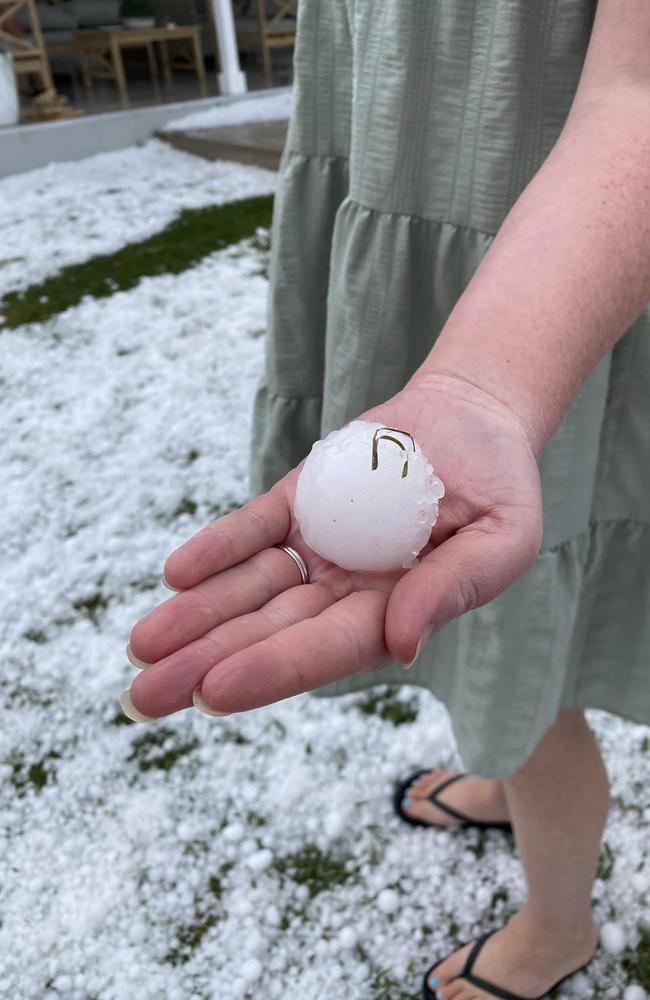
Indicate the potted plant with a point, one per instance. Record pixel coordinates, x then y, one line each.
9 104
137 13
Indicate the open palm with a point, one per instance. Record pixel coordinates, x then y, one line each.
245 629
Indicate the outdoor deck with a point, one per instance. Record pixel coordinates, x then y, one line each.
258 143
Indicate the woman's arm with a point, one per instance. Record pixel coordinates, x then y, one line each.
569 269
567 273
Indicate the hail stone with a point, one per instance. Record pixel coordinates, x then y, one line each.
367 498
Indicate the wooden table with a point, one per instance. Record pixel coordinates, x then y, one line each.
101 52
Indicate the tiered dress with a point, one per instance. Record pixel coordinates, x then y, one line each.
416 125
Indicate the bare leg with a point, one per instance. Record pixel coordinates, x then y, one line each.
558 803
559 820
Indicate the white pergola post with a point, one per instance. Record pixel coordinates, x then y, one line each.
231 78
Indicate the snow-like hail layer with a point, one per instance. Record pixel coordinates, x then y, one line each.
176 860
367 498
67 212
275 106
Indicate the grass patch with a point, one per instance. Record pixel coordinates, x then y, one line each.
92 607
384 987
477 847
186 505
35 635
120 719
207 912
26 776
388 706
499 900
223 735
318 871
190 935
159 749
255 819
221 509
25 696
605 862
637 966
149 582
193 235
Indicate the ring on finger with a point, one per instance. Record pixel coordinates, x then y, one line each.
298 559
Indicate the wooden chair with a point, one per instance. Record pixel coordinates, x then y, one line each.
274 27
180 54
28 51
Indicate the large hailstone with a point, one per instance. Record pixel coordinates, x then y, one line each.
367 498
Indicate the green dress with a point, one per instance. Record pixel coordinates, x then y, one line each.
416 125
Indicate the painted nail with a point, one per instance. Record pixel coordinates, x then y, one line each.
131 711
407 803
433 982
140 664
202 706
168 585
420 646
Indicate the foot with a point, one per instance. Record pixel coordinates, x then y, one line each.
478 798
523 957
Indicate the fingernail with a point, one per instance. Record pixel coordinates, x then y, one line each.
130 711
407 803
168 585
201 704
433 982
426 635
140 664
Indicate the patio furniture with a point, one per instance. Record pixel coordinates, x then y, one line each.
28 50
272 27
179 54
101 52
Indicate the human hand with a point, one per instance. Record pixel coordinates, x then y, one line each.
246 632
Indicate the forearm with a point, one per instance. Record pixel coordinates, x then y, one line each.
567 273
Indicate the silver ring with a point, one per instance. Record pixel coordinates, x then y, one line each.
298 559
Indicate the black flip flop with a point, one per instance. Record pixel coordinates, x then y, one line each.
484 984
466 821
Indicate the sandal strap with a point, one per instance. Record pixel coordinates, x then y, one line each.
433 797
475 951
492 988
484 984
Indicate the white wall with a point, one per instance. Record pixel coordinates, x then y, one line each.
25 147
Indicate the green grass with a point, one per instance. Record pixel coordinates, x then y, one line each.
186 505
385 987
637 966
193 235
605 862
159 749
22 694
92 607
388 706
207 912
26 775
312 867
35 635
